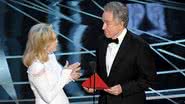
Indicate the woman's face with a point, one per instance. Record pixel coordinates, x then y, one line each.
53 45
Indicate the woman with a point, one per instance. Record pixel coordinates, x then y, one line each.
46 76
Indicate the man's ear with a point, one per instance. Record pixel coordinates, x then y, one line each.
122 23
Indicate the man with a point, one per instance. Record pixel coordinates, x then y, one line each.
126 65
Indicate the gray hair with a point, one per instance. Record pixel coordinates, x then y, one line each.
120 11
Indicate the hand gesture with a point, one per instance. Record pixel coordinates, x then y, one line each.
75 73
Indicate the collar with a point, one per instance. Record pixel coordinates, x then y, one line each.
122 35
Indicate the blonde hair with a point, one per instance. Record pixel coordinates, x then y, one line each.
39 37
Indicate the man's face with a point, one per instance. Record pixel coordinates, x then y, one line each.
110 26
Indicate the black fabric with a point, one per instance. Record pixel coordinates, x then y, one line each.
133 68
110 40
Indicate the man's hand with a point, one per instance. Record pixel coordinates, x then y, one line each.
115 90
89 90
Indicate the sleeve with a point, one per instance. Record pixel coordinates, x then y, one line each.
65 76
65 72
39 80
147 74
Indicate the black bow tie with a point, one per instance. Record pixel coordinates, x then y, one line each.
110 40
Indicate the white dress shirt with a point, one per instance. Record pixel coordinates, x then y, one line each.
47 81
112 50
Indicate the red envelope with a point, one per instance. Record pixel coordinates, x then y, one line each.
99 83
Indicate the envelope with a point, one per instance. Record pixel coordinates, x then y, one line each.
99 83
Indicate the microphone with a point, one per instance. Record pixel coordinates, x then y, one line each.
92 65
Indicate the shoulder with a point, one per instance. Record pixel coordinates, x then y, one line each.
101 39
52 56
36 68
137 40
101 42
137 43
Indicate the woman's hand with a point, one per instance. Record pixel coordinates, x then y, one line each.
75 73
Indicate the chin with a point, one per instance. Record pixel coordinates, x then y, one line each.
107 36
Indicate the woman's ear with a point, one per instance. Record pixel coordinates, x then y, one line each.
46 48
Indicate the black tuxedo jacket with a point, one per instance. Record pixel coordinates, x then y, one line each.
133 68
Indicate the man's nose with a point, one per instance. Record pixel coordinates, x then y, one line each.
104 26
